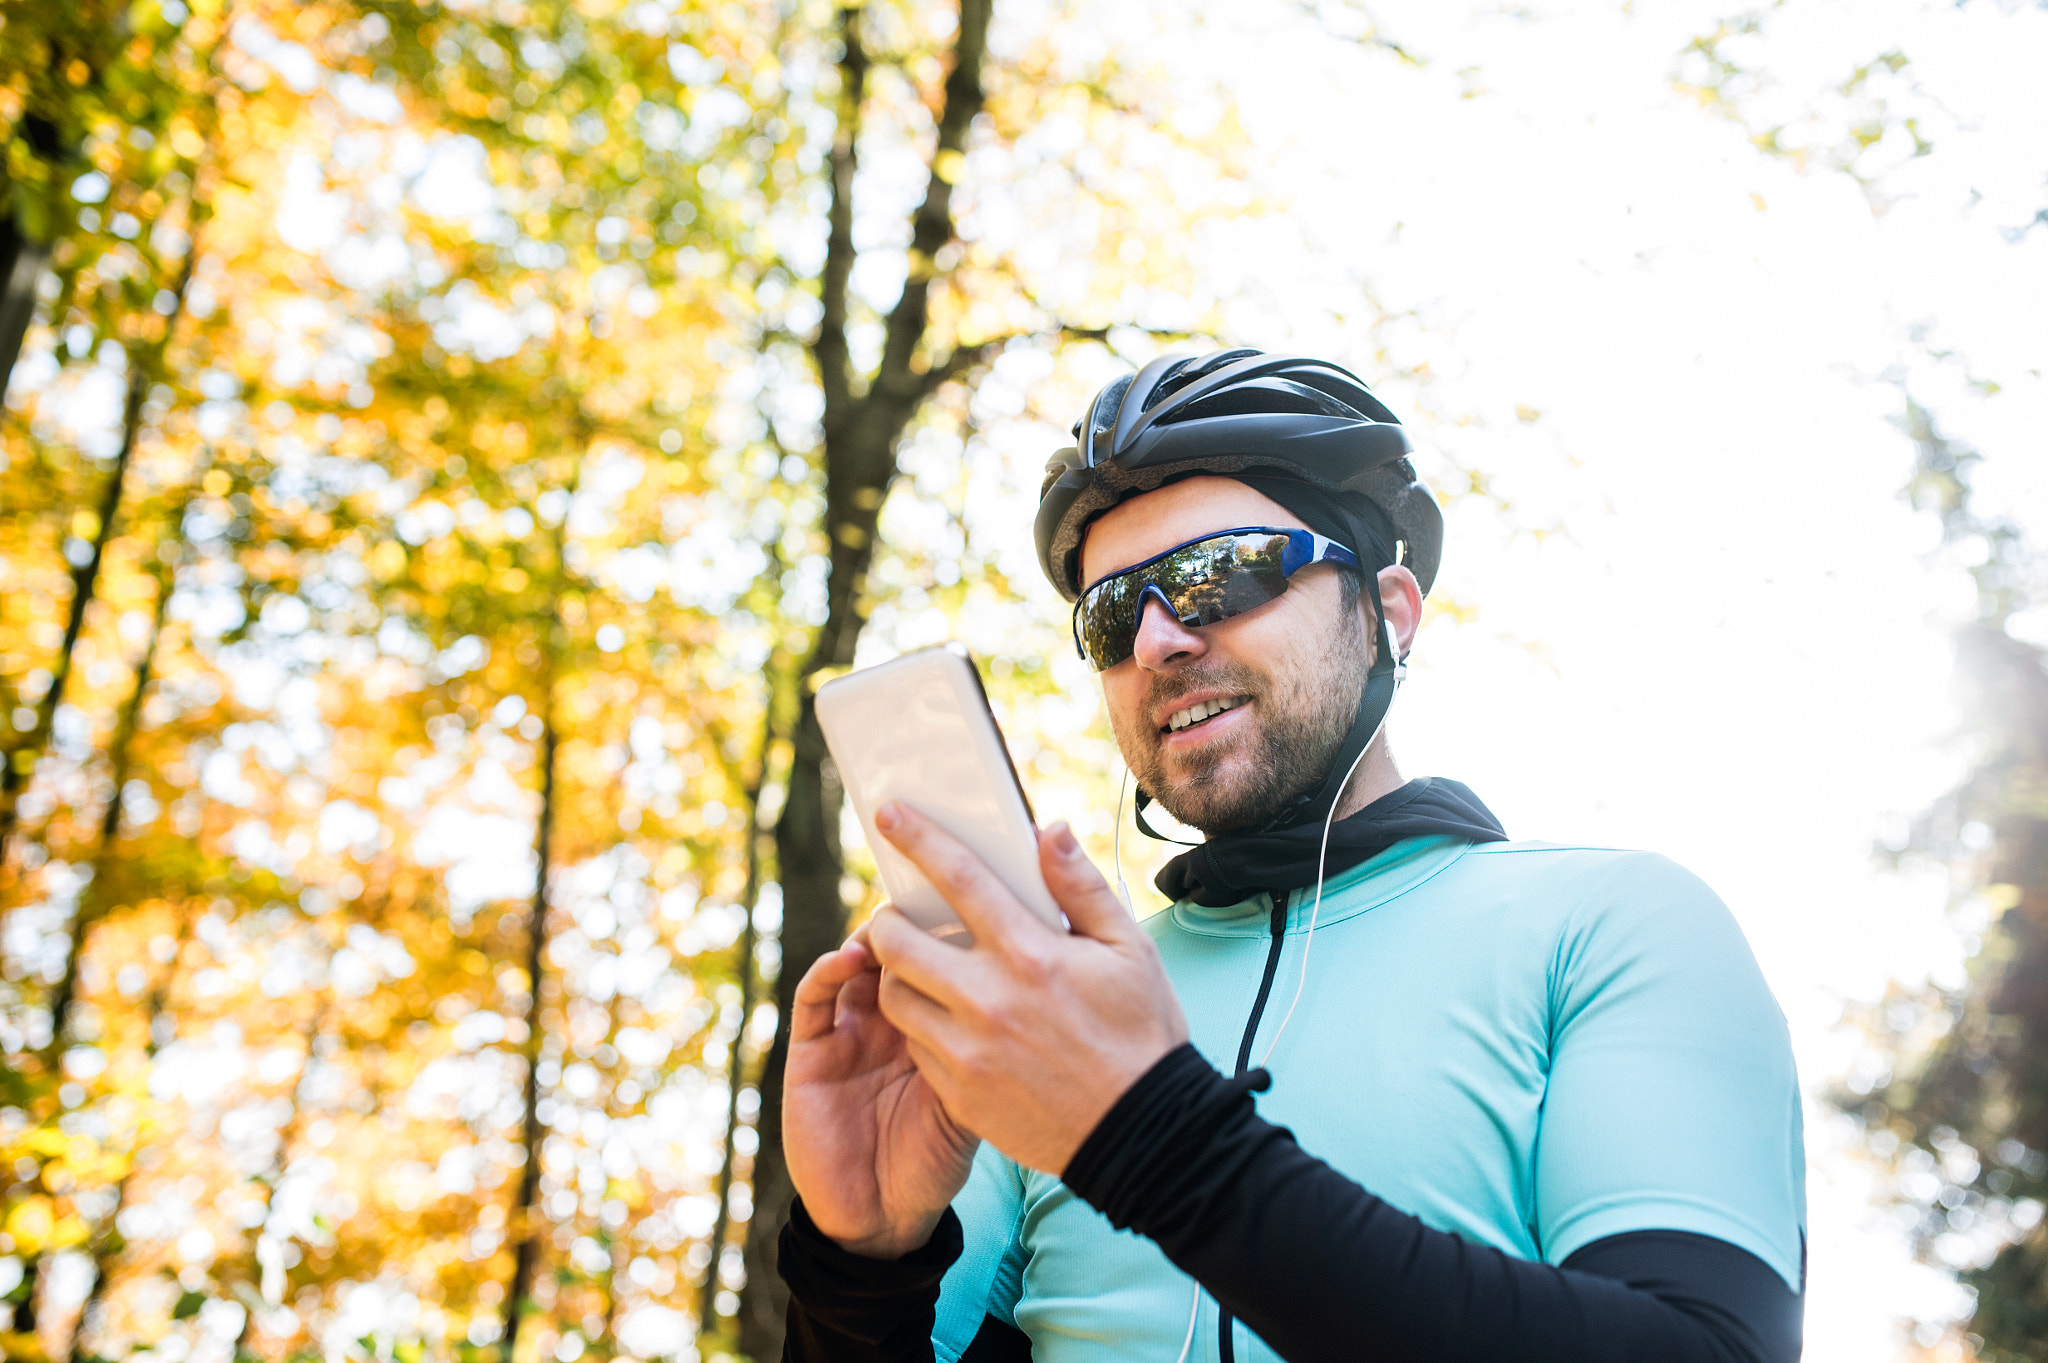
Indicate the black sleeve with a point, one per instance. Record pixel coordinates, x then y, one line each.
1321 1269
846 1308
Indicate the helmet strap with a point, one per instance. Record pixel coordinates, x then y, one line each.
1380 684
1382 679
1138 816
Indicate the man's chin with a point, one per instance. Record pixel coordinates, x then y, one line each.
1212 820
1220 805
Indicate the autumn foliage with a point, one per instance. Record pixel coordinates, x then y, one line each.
442 447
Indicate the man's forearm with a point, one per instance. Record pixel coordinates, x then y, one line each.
1321 1269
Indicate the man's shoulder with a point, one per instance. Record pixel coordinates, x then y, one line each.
1593 866
1539 853
1612 902
1579 888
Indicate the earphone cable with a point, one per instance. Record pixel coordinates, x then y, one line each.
1116 842
1322 859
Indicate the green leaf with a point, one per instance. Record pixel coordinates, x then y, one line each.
188 1305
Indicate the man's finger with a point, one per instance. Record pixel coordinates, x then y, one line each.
932 967
984 903
817 993
857 995
924 1023
1092 908
941 1075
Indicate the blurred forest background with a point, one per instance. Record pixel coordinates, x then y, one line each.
443 446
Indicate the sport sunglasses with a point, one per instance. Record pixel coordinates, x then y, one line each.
1200 582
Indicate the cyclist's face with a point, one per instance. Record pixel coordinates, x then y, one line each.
1285 677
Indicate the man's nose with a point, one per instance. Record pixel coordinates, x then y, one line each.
1162 640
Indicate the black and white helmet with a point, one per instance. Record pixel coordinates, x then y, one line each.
1234 411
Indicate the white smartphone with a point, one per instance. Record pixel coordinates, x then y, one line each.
918 729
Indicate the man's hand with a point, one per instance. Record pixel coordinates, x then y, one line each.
873 1153
1031 1035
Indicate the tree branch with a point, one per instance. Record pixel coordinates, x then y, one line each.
835 365
968 357
932 228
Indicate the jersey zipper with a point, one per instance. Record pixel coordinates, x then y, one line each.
1226 1346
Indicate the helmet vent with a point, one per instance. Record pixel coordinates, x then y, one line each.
1266 395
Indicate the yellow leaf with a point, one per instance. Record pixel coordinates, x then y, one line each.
387 560
30 1223
22 1348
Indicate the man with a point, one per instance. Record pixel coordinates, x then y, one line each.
1523 1103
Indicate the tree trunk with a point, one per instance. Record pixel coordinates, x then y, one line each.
21 758
735 1064
93 902
525 1221
810 864
22 259
22 1323
861 431
23 256
618 1253
92 906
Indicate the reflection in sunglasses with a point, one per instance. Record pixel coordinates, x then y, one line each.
1203 582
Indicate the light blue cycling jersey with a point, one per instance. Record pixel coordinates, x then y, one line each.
1532 1046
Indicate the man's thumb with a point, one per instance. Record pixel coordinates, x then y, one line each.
1092 908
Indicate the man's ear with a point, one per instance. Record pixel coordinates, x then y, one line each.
1401 598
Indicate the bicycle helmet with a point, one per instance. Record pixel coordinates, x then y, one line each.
1234 411
1276 421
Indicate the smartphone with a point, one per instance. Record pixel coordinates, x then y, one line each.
918 729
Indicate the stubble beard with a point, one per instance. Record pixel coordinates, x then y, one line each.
1299 723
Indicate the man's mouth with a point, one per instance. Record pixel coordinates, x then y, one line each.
1202 711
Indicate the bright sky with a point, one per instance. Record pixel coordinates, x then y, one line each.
1735 652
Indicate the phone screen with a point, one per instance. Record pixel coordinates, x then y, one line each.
919 729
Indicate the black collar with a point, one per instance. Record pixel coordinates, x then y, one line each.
1232 867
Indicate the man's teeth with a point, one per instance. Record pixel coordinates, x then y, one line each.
1195 714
